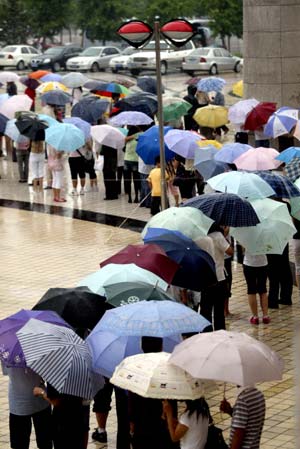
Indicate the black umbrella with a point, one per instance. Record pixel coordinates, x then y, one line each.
90 108
3 121
56 97
79 306
31 126
139 101
148 84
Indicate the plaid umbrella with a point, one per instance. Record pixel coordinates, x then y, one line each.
293 169
60 357
282 185
225 209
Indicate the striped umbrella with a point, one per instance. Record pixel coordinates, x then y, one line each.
60 357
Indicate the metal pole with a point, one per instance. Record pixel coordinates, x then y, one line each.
164 203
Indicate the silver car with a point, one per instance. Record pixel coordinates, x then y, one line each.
93 59
212 60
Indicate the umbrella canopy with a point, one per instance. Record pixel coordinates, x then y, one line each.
292 169
238 89
206 164
151 376
231 151
176 109
15 104
9 77
51 85
48 119
211 116
233 357
148 145
109 136
11 130
64 137
259 116
197 268
189 221
11 354
210 142
211 84
258 159
289 154
3 123
107 89
297 130
226 209
114 273
183 142
56 97
237 113
147 84
130 292
78 306
84 126
281 122
51 77
139 101
74 79
273 232
130 118
90 109
151 257
246 185
29 82
38 74
31 127
3 98
281 185
60 357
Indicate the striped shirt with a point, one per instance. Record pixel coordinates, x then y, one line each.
249 414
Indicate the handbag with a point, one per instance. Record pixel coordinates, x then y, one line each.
215 439
99 162
88 163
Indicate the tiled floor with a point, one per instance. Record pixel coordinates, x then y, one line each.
39 250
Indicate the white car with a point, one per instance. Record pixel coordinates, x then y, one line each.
93 59
121 62
170 57
18 56
212 60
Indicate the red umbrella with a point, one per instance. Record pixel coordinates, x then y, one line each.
259 116
150 256
38 74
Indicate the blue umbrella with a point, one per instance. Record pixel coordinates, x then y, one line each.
289 154
283 187
90 109
3 122
148 145
211 84
84 126
51 77
148 84
49 120
206 164
133 118
197 268
281 122
231 151
64 137
226 209
56 97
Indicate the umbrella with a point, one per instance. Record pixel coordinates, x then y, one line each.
151 376
292 169
84 126
107 89
3 123
197 268
38 74
151 257
74 79
130 292
56 97
210 142
14 104
289 154
273 232
148 145
206 164
132 118
211 116
148 84
29 82
90 109
238 89
183 142
297 130
295 208
114 273
190 222
109 136
259 116
31 127
192 81
226 209
3 98
233 357
11 130
51 85
78 306
238 112
60 357
231 151
175 110
51 77
139 101
64 137
244 184
281 185
281 122
11 353
211 84
48 119
8 77
258 159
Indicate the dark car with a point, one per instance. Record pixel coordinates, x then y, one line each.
55 58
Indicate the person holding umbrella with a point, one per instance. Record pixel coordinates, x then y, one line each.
56 165
36 162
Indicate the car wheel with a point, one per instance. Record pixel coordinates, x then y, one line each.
190 72
135 72
213 70
163 68
237 67
21 65
94 67
56 67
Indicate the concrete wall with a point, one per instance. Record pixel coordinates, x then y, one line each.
272 51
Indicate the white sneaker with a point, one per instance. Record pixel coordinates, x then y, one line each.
81 192
74 192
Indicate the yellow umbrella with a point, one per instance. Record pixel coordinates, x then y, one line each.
211 116
51 85
206 142
238 89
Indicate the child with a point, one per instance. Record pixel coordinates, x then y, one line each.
154 180
56 165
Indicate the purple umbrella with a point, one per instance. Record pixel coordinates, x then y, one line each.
11 353
84 126
51 77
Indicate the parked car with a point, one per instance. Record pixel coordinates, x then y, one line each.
18 56
171 57
55 58
93 59
118 63
212 60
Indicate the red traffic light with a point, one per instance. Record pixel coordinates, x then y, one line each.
135 32
178 31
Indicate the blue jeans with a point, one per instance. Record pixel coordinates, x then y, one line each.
145 190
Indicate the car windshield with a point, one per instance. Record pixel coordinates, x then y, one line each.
9 49
128 51
200 52
91 51
53 51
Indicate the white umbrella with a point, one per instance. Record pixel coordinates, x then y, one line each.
109 136
14 104
151 376
8 77
229 357
238 112
74 79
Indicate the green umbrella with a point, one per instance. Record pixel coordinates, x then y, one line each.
176 110
295 207
273 232
188 220
130 292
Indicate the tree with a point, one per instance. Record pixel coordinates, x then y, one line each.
14 22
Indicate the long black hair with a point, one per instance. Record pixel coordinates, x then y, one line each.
200 406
